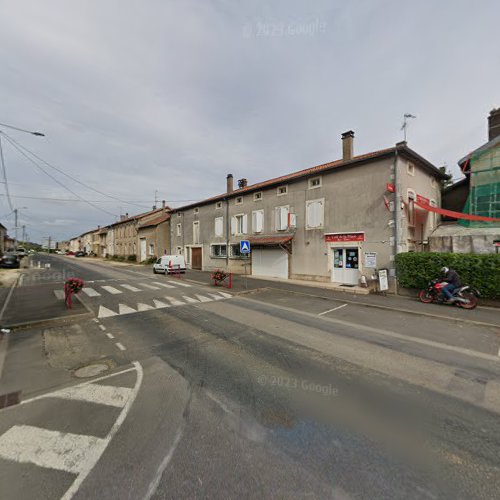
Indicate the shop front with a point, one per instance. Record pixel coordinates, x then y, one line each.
344 252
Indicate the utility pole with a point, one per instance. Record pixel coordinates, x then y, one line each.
24 234
15 229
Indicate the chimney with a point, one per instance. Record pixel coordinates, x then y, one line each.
229 180
242 183
163 204
347 145
494 124
123 217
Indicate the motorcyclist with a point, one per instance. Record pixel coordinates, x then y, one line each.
452 280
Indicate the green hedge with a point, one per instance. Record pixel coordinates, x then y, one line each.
415 270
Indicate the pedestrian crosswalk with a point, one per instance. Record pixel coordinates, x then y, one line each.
97 290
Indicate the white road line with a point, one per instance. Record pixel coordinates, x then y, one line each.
96 320
104 312
179 283
102 327
59 294
331 310
498 354
166 285
110 335
202 298
144 307
120 346
91 292
110 289
51 449
108 395
124 309
159 304
215 297
174 301
131 288
151 287
225 295
190 300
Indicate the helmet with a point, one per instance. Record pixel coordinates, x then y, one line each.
444 270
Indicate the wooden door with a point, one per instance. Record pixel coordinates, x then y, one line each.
196 258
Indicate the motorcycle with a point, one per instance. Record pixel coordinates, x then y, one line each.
463 296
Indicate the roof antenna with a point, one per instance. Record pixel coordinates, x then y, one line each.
405 123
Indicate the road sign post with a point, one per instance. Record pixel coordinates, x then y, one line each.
245 250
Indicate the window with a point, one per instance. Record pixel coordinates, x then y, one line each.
179 229
196 232
218 204
219 226
179 251
258 221
151 249
281 218
314 213
234 250
411 208
257 196
282 190
218 251
315 182
179 214
410 169
239 224
196 210
239 200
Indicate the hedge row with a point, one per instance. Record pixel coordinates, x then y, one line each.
415 270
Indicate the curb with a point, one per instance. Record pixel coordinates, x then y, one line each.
7 299
51 321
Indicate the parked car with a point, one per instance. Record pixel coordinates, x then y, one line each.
10 260
21 252
170 263
80 254
69 252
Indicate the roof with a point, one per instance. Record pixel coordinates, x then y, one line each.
456 185
154 222
487 145
270 240
401 148
138 216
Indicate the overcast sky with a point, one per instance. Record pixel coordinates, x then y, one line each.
172 95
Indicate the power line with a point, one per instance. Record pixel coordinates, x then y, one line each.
14 144
73 200
70 176
4 170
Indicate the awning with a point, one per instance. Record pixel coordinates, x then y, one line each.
452 214
270 241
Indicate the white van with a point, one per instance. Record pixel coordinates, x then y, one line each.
170 263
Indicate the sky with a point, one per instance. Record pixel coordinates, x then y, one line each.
165 98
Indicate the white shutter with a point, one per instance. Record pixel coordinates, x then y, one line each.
314 213
283 218
234 225
277 219
245 224
259 221
310 214
219 223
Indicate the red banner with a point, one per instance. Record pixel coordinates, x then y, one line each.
423 200
454 215
341 237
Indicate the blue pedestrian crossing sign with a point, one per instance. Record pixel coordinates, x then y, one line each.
244 246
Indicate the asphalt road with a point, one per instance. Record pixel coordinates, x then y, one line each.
276 393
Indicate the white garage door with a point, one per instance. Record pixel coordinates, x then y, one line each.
271 262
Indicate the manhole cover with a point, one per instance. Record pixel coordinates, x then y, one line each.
91 370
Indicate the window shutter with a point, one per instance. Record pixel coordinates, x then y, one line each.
234 225
219 223
284 218
244 225
259 221
310 214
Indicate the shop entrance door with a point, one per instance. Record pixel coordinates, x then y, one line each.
346 266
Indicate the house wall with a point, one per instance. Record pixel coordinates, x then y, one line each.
125 238
158 236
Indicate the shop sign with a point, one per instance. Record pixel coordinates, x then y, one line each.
341 237
371 259
383 282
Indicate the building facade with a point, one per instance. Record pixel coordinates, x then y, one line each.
333 222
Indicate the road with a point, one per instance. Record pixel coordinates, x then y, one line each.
275 392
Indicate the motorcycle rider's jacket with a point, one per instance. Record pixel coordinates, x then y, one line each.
453 278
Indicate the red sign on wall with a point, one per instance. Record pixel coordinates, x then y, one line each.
341 237
390 187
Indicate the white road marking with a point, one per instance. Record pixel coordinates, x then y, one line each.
120 346
151 287
112 290
102 327
91 292
124 309
202 298
144 307
131 288
108 395
179 283
174 301
104 312
499 351
96 320
110 335
51 449
59 294
159 304
225 295
166 285
190 300
215 297
331 310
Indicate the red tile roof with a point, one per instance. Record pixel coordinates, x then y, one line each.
155 221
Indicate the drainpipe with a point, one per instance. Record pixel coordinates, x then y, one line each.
397 214
227 233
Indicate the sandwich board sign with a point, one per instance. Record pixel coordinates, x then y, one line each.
244 247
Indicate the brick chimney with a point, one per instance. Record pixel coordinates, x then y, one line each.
347 145
494 124
229 180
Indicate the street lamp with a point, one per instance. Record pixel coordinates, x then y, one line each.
39 134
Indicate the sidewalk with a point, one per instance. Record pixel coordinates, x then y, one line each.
411 305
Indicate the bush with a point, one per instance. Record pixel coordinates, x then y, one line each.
149 261
132 258
415 270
